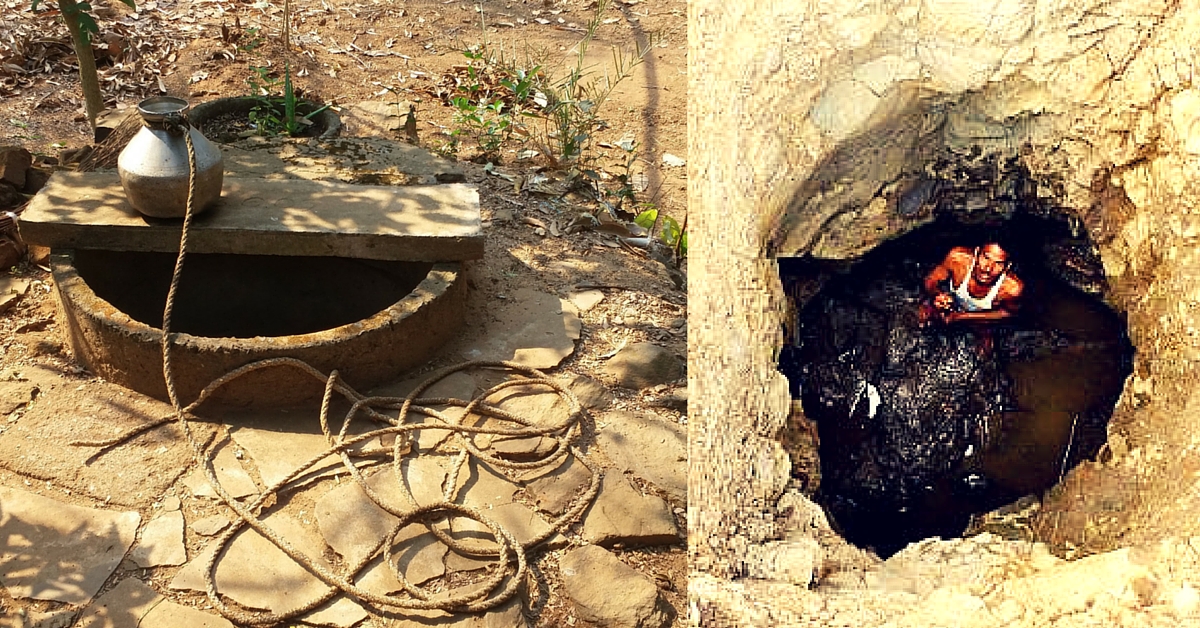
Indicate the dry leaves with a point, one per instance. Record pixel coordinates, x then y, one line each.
132 49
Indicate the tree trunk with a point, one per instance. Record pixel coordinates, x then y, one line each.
93 101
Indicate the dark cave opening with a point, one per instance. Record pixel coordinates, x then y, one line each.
920 428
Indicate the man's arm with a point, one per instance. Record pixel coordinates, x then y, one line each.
936 277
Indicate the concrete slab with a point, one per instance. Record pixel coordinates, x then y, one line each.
304 218
56 551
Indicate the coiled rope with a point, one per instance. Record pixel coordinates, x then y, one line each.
503 581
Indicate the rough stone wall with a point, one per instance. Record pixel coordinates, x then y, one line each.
1101 101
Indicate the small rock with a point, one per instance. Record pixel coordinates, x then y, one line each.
586 299
14 162
644 364
794 562
611 594
10 196
35 180
503 214
14 395
676 400
673 161
620 514
591 393
210 526
12 249
375 118
171 503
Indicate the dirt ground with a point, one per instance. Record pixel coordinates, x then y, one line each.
345 53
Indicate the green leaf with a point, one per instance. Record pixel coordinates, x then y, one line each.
646 219
88 26
33 7
130 3
670 231
310 115
289 101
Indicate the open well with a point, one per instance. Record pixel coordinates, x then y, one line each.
919 428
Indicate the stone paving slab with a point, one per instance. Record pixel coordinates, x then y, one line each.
648 447
161 542
621 514
251 560
36 444
531 328
352 524
557 489
280 442
507 615
230 473
55 551
132 603
433 223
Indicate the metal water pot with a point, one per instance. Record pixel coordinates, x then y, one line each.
154 165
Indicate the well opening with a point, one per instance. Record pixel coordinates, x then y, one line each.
246 296
909 431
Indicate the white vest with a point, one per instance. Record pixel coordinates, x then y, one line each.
971 303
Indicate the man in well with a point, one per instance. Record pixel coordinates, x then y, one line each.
981 286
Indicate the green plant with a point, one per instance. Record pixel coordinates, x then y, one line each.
671 232
489 101
81 24
273 113
570 106
253 39
625 192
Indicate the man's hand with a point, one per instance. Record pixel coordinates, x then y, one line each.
943 302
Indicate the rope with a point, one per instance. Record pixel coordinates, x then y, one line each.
507 549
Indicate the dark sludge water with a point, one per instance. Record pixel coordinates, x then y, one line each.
921 428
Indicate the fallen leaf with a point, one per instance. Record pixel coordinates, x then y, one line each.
672 161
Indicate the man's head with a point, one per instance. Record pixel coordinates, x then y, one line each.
991 261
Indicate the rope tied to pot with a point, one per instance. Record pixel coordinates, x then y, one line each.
500 585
